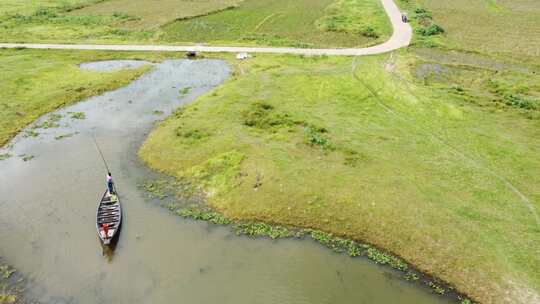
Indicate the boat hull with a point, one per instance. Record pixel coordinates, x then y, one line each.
109 217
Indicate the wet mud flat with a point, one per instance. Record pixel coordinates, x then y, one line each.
51 184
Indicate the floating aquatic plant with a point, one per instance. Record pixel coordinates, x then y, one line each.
77 115
65 135
31 133
50 123
185 91
26 157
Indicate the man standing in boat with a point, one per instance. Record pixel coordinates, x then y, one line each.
110 183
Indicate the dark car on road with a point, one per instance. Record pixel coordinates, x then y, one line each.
404 18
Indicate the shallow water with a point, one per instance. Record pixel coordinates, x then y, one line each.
47 219
113 65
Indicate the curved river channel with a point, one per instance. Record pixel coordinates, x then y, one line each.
48 205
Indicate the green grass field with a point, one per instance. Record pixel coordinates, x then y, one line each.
147 14
506 28
53 21
11 7
302 23
412 156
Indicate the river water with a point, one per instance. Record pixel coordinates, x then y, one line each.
48 204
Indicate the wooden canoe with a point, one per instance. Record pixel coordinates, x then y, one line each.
109 213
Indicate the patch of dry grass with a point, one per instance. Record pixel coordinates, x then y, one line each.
151 14
506 27
299 23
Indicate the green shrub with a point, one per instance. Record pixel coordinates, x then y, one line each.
262 116
422 13
315 137
45 13
521 102
190 133
369 31
431 30
425 21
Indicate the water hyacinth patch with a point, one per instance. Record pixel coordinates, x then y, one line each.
31 133
261 229
155 189
197 213
437 288
185 91
410 276
50 123
26 157
77 115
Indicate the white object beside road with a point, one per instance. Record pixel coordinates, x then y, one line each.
242 56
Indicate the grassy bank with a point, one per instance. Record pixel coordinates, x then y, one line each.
35 82
186 200
340 23
419 164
